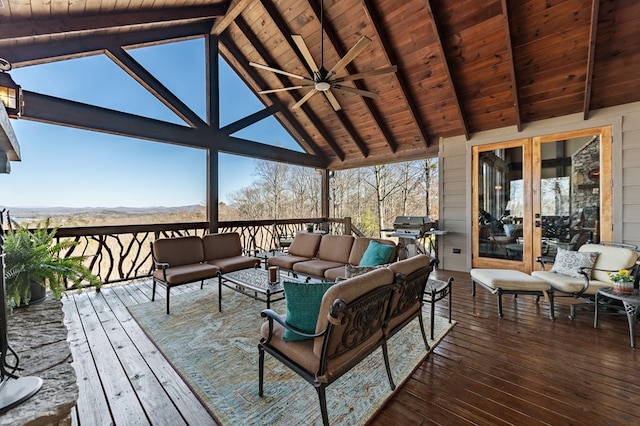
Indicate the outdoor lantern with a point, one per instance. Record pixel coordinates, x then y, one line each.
10 92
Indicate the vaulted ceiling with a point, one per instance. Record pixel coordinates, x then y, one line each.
464 66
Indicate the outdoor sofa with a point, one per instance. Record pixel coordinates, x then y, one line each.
184 260
328 256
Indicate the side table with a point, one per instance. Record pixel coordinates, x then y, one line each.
631 303
437 290
265 255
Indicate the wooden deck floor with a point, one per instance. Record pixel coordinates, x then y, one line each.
521 369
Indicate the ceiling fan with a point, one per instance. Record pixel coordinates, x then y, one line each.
322 80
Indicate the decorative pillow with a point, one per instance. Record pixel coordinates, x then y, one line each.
376 254
303 307
568 262
353 270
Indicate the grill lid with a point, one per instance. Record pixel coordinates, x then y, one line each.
412 224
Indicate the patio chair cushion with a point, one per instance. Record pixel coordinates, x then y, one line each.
315 267
219 246
305 245
376 254
570 262
303 305
568 284
235 263
611 259
286 262
335 248
179 251
183 274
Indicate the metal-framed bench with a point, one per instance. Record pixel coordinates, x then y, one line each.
505 281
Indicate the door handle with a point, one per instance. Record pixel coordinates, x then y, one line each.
537 224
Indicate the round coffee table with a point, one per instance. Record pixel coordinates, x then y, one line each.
631 302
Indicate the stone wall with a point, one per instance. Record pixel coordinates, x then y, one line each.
37 333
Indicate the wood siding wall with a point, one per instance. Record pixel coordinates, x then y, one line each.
455 169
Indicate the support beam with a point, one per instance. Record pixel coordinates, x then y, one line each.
266 55
234 11
48 109
14 29
595 11
512 69
212 190
387 49
8 140
154 86
324 193
456 99
41 51
213 82
249 120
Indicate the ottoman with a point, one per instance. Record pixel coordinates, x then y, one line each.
504 281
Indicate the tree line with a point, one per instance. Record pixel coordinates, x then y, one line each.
371 196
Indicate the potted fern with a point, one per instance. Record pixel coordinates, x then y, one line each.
33 264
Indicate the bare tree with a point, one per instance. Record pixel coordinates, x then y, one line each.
272 178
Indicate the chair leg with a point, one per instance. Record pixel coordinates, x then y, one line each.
433 315
168 288
153 291
323 404
385 355
201 284
552 309
424 335
450 291
260 370
499 303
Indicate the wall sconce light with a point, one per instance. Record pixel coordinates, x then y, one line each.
10 92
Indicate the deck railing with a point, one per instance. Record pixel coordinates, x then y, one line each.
123 252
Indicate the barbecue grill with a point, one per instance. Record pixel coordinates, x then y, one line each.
411 226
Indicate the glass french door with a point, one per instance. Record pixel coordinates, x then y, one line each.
533 196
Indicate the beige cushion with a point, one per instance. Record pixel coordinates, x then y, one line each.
179 251
186 273
610 259
335 248
511 280
569 284
315 267
219 246
305 245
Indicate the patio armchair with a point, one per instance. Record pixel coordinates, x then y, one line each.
582 273
348 328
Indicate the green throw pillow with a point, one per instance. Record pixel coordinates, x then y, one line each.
376 254
303 307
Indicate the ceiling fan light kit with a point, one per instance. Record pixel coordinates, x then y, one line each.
322 80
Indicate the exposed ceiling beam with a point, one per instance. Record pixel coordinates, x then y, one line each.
14 29
49 109
387 49
595 11
447 69
307 141
32 53
512 69
233 12
249 120
252 149
153 85
266 55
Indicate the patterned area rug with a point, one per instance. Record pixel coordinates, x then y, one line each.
217 355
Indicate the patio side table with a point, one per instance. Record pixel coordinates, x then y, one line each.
437 290
631 303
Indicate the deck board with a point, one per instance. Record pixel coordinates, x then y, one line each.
519 369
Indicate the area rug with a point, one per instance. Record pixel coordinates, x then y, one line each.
217 355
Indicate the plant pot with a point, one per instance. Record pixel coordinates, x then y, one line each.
623 287
38 294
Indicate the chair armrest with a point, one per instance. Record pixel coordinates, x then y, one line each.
544 261
273 316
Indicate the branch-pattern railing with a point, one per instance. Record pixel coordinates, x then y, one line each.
122 253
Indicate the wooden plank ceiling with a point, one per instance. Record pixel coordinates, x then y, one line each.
464 66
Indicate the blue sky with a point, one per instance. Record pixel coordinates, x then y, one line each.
69 167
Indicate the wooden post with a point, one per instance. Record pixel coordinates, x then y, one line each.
213 119
324 194
347 226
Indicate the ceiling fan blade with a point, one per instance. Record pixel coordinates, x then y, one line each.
284 89
351 55
305 98
360 92
298 40
277 71
366 74
332 100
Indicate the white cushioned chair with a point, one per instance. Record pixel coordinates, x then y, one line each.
584 284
